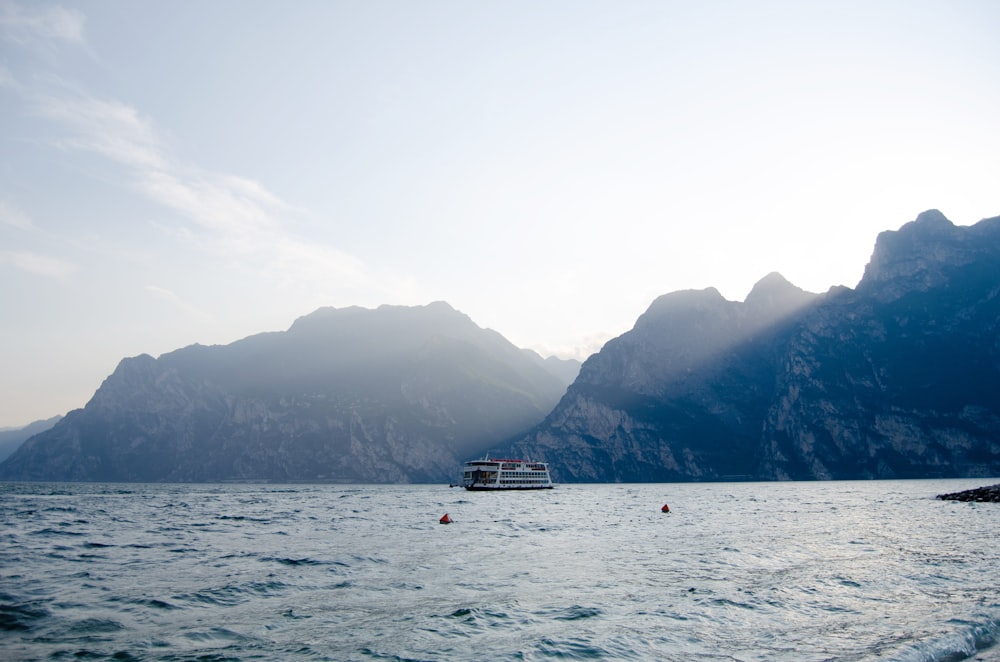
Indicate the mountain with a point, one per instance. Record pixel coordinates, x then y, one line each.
899 377
392 395
565 370
12 438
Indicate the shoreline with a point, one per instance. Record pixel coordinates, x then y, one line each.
990 494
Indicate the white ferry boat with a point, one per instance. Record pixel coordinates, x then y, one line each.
500 474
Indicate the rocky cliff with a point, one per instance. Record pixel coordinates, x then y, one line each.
12 438
899 377
396 395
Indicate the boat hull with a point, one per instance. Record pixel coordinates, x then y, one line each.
490 488
505 474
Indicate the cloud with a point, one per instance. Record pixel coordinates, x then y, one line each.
7 79
109 128
579 349
163 293
27 26
213 203
34 263
232 216
14 217
297 260
176 301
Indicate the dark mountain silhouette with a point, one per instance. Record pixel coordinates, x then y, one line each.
897 378
396 394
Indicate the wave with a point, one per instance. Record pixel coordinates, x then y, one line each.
15 617
49 531
964 642
231 594
573 613
294 562
583 578
245 518
155 603
92 626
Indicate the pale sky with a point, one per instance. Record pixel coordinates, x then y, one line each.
173 173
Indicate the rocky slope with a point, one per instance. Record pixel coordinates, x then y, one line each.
394 395
11 439
897 378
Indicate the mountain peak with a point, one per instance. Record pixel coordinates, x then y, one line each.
770 284
686 299
932 217
394 394
898 378
916 253
773 297
324 316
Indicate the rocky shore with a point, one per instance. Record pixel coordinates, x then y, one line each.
982 494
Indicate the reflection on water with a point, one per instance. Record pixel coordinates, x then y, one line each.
749 571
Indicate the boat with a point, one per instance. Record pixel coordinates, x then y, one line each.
505 474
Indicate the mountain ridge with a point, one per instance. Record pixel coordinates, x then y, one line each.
898 377
12 438
895 378
395 394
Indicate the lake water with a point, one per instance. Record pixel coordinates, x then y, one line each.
876 570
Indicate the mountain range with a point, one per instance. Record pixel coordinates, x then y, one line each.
392 395
12 438
896 378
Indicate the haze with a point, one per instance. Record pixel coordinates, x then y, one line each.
176 173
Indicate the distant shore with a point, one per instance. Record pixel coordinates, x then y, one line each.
989 494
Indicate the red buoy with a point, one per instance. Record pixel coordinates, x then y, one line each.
665 509
445 519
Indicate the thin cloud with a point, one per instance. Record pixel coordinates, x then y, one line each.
34 263
13 217
230 215
109 128
7 78
163 293
176 301
298 260
211 203
579 350
33 26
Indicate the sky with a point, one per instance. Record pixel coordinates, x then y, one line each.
198 172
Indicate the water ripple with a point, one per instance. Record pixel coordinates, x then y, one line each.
797 571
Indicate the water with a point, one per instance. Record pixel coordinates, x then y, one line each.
739 571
